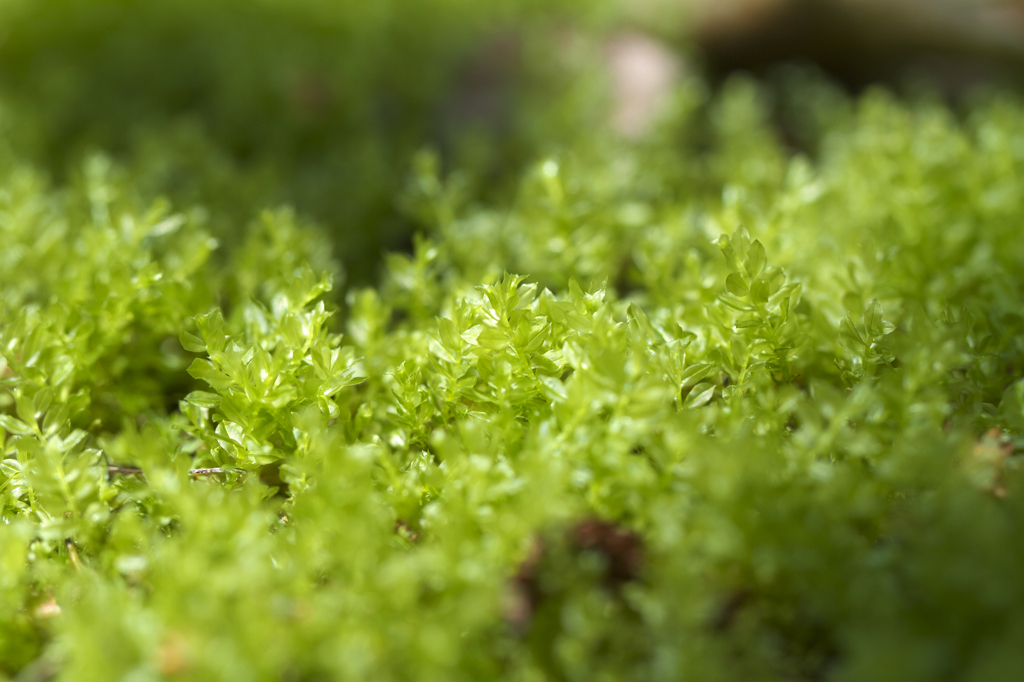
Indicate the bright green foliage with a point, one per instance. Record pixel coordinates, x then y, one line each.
241 105
798 381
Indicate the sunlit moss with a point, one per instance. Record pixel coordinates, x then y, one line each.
742 413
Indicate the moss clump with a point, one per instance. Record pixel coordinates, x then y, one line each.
743 413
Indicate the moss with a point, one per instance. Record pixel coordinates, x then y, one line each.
743 413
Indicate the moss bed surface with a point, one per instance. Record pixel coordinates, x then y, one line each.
709 404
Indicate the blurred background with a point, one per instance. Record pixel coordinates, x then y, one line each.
238 105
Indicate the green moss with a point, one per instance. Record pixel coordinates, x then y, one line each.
241 106
743 413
